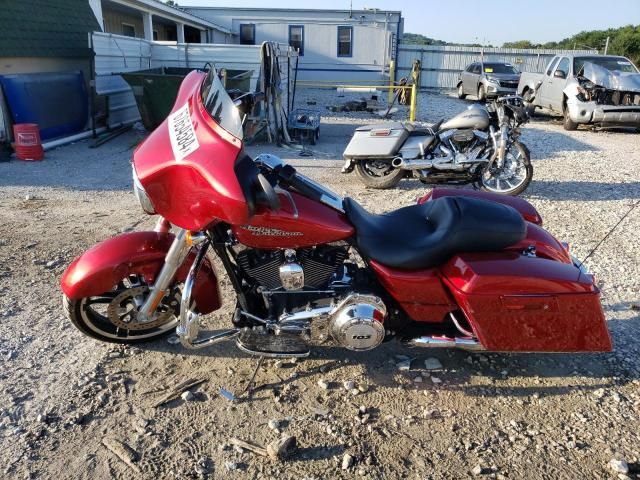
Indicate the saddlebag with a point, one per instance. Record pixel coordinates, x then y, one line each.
376 141
519 303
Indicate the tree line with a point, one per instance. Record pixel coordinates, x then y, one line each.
623 41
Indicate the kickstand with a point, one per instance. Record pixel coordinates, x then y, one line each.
249 389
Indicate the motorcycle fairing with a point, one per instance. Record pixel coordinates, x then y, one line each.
190 187
100 268
517 303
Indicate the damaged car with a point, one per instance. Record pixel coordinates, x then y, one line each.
601 90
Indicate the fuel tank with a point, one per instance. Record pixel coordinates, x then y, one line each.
300 222
475 117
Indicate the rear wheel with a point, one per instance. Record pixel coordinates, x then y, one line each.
514 176
111 316
461 93
482 93
379 173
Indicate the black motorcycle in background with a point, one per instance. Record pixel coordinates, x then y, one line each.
479 145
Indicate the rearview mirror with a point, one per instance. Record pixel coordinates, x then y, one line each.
560 74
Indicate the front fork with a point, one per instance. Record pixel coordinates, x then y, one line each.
189 325
500 141
177 254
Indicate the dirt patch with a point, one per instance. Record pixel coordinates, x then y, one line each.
64 396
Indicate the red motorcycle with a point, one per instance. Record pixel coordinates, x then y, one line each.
463 269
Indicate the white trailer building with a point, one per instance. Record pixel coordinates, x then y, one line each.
336 45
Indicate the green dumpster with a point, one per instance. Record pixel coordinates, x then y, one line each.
156 89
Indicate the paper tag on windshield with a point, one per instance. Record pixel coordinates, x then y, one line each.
181 132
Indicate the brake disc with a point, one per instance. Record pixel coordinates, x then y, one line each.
123 310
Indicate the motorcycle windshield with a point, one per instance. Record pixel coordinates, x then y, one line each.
219 105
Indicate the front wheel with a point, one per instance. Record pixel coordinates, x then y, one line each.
461 93
111 316
514 176
567 123
379 174
529 106
482 93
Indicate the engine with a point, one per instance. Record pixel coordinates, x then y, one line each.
461 139
460 149
311 267
312 292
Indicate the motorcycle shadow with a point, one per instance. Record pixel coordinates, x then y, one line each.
475 374
583 190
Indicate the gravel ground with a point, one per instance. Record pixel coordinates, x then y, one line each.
483 415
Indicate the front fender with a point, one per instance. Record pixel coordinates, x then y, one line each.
100 268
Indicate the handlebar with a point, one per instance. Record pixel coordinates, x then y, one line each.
248 100
283 173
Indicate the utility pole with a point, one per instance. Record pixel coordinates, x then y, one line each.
385 43
606 46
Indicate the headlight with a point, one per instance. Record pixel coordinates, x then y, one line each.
493 80
142 196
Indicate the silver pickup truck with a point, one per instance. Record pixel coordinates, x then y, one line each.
602 90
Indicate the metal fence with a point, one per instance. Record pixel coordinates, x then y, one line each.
115 54
442 64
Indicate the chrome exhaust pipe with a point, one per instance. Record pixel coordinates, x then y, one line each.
418 164
189 326
442 341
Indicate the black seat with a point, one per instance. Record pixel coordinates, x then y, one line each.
421 130
427 235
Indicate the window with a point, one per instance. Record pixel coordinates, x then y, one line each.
128 30
621 64
296 38
247 34
470 68
476 68
155 35
500 68
345 41
563 66
551 66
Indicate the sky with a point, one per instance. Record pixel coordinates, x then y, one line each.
481 21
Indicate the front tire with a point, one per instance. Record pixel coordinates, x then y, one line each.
482 93
518 176
110 317
461 94
529 107
379 174
567 123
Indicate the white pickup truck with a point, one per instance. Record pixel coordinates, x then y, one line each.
602 90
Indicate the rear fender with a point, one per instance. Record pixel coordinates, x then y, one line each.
100 268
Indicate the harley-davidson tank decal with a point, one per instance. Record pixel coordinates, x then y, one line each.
270 232
181 132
